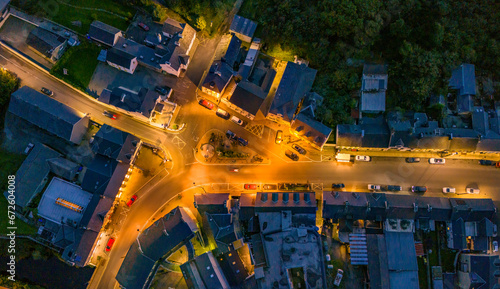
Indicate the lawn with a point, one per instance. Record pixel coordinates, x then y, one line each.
65 14
80 61
448 259
422 273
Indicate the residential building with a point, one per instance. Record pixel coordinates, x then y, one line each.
250 60
115 144
4 8
463 79
243 28
46 43
313 132
104 33
121 60
246 98
49 114
104 176
32 176
215 203
369 133
161 239
262 202
478 271
222 232
141 104
204 272
64 168
373 88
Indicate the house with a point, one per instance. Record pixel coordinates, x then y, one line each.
46 43
250 60
104 33
234 269
296 203
49 114
370 132
32 176
204 272
247 99
243 28
4 8
216 203
373 88
222 231
63 168
463 79
104 176
121 60
141 104
159 240
313 132
115 144
478 271
296 82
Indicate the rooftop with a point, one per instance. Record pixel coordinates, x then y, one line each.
243 26
114 143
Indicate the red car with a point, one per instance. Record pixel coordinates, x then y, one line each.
110 244
207 104
143 26
250 186
109 114
132 200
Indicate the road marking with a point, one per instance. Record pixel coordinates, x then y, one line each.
178 142
317 186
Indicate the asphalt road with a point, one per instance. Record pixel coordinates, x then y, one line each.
382 171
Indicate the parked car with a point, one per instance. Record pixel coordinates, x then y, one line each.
472 191
394 188
279 137
110 243
163 90
419 189
242 142
412 160
299 149
291 155
206 104
234 170
449 190
237 121
222 113
28 149
143 26
374 187
230 134
47 91
487 163
495 246
109 114
250 186
338 186
338 277
270 187
436 161
363 158
131 201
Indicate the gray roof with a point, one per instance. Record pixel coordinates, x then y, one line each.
233 268
472 210
228 49
98 174
172 26
114 143
484 268
310 129
44 111
463 78
44 41
480 120
216 203
373 101
218 77
120 57
295 202
3 4
222 230
296 82
32 172
204 268
403 272
243 26
371 132
248 97
103 32
135 269
63 168
129 100
488 145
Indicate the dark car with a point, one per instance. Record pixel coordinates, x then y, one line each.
412 160
47 91
291 155
487 163
109 114
242 141
230 134
132 200
163 90
206 104
338 186
222 113
419 189
143 26
299 149
393 188
110 243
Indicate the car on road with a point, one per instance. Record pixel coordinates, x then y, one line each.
28 148
419 189
110 243
338 186
394 188
242 142
291 155
47 91
338 277
222 113
206 104
234 170
363 158
131 201
299 149
143 26
109 114
237 121
250 186
412 160
230 134
436 161
449 190
270 187
495 246
163 90
487 163
279 137
472 191
374 187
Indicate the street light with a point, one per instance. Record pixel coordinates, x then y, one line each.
200 187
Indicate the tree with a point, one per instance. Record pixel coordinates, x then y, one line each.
8 84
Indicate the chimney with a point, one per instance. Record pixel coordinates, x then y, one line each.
415 207
275 197
429 208
296 197
336 195
386 205
285 198
122 99
263 197
368 206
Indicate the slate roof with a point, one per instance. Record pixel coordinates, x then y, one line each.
44 41
310 129
172 26
129 100
373 101
243 26
222 230
233 268
216 203
44 111
63 168
482 271
464 103
228 49
276 202
218 76
403 272
135 269
204 271
248 97
371 132
120 57
480 120
296 82
3 4
103 32
463 78
31 173
488 145
114 143
98 174
472 210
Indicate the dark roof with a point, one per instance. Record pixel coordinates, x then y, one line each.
142 101
114 143
233 268
63 168
458 239
373 101
310 129
463 78
44 41
204 268
403 272
248 97
216 203
218 76
258 252
484 269
98 174
103 32
228 49
371 132
222 230
172 26
377 261
373 69
472 210
295 202
296 82
119 57
480 120
488 145
464 103
243 26
135 269
3 4
44 112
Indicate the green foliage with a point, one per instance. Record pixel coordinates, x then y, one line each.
201 23
4 281
8 84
